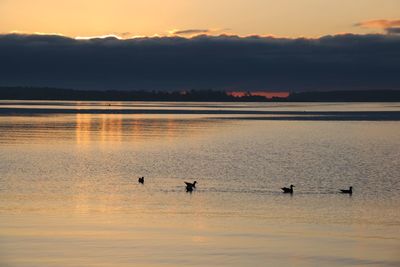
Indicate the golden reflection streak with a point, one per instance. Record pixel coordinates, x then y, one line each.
108 127
113 128
83 127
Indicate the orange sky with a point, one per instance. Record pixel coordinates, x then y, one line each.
128 18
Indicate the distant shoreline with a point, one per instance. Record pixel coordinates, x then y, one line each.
58 94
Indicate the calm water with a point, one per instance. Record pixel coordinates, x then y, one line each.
69 194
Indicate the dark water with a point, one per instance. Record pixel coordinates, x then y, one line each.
69 194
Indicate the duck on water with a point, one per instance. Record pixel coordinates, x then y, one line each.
141 180
190 186
288 190
347 191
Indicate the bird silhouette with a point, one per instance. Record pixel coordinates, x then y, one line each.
141 180
288 190
347 191
190 186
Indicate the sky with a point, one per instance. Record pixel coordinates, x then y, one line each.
256 45
127 18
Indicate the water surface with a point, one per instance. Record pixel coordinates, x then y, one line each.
69 194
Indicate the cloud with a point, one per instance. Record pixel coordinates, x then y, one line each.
343 62
379 24
98 37
193 32
189 31
389 26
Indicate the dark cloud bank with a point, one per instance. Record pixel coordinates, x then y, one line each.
203 62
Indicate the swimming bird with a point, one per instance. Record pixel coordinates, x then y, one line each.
347 191
141 180
288 190
190 186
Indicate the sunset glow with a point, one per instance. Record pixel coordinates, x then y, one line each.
260 93
148 18
183 133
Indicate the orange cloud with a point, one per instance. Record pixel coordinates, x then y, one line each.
379 24
389 26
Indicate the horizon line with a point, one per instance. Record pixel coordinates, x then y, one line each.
194 36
